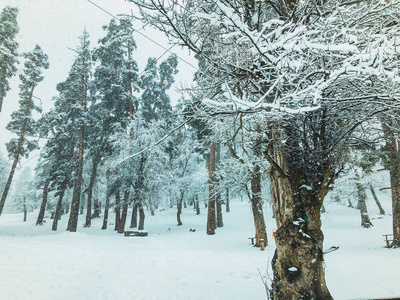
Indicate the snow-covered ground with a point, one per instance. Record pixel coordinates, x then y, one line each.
174 263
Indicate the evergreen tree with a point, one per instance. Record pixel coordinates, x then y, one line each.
8 48
22 122
155 82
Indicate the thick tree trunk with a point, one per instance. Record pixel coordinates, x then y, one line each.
93 175
361 195
57 215
106 208
134 219
211 222
378 203
44 202
141 217
393 148
121 224
298 261
17 152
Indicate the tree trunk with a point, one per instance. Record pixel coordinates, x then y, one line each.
227 208
121 223
361 195
117 209
44 202
179 209
93 175
197 205
211 222
298 261
134 220
141 217
392 147
96 209
76 196
220 221
25 210
257 209
57 215
17 152
106 208
378 203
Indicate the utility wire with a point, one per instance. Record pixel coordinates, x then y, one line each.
143 35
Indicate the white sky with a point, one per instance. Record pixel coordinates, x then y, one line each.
55 25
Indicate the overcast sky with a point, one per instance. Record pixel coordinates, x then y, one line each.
55 25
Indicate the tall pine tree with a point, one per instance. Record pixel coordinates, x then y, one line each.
22 122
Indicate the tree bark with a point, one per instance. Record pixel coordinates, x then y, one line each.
378 203
361 195
227 208
211 222
93 175
179 208
25 210
57 215
298 261
220 221
117 209
392 147
106 208
141 217
121 224
197 205
76 196
44 202
134 219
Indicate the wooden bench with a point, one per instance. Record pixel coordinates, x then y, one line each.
262 243
136 233
387 239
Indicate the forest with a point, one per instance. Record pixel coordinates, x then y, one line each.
292 104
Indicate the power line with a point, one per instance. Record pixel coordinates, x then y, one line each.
145 36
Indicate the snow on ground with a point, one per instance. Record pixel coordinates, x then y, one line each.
173 263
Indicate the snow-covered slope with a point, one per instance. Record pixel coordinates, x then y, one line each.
174 263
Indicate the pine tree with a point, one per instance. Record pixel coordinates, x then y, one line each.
8 48
22 122
76 90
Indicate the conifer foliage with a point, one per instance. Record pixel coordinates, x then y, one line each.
22 122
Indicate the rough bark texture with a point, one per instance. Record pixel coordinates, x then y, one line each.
362 196
220 221
57 215
211 222
378 203
392 147
197 205
298 260
42 210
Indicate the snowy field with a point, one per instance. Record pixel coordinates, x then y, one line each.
173 263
